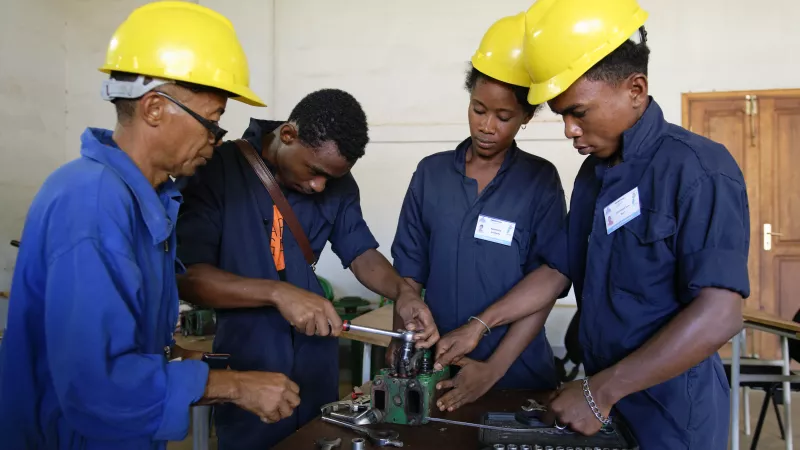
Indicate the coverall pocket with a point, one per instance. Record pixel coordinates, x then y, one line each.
642 260
651 226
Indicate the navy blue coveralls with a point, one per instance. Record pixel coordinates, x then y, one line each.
93 304
226 221
464 275
692 233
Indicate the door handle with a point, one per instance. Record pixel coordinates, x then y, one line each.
768 233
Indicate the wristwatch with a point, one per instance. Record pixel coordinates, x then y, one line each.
216 361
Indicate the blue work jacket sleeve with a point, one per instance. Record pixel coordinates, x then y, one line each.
713 237
411 240
106 386
350 236
548 220
554 249
199 225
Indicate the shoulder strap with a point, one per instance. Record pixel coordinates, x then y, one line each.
271 185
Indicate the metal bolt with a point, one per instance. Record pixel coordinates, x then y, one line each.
499 447
378 382
397 400
512 447
412 384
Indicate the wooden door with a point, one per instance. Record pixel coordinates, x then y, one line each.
761 129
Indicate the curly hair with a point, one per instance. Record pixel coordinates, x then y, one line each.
332 115
629 58
520 92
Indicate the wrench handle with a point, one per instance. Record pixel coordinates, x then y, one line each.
342 423
347 326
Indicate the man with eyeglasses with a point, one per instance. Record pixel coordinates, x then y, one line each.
87 360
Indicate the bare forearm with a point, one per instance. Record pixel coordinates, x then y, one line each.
207 286
376 273
397 321
693 335
520 334
222 387
536 292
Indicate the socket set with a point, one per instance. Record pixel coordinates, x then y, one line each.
615 437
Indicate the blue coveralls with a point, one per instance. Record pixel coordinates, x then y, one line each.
692 233
226 221
93 304
435 244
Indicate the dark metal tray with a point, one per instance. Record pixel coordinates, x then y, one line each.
619 438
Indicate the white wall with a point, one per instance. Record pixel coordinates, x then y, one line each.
32 58
405 61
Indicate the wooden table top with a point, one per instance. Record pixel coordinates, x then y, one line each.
433 436
380 318
196 343
770 320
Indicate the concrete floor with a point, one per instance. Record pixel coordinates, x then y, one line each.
770 435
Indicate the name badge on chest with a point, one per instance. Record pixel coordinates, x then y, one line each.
622 210
494 230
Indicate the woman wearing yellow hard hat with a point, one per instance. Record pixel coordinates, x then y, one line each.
473 218
656 242
95 300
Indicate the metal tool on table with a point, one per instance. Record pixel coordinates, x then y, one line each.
353 410
379 437
328 444
406 393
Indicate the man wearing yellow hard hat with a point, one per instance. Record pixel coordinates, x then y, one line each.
88 360
656 240
488 205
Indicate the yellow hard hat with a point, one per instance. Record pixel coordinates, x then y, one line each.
182 41
565 38
500 53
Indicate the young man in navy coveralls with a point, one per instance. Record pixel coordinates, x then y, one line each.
242 260
660 285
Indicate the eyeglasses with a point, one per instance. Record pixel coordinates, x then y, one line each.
213 128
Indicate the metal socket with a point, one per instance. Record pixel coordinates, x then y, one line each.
359 444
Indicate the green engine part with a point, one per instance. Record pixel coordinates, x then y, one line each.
406 401
198 322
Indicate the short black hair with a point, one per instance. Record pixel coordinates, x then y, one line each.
332 115
520 92
624 61
127 106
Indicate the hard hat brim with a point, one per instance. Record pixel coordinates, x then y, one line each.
549 89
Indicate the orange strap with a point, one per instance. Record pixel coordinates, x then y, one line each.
276 241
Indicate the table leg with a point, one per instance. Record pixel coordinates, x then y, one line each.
200 432
787 393
366 363
746 390
735 367
746 395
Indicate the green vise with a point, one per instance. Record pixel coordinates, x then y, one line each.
406 400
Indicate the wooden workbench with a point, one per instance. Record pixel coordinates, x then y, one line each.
196 343
765 319
433 436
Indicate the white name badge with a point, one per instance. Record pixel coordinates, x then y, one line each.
494 230
622 210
